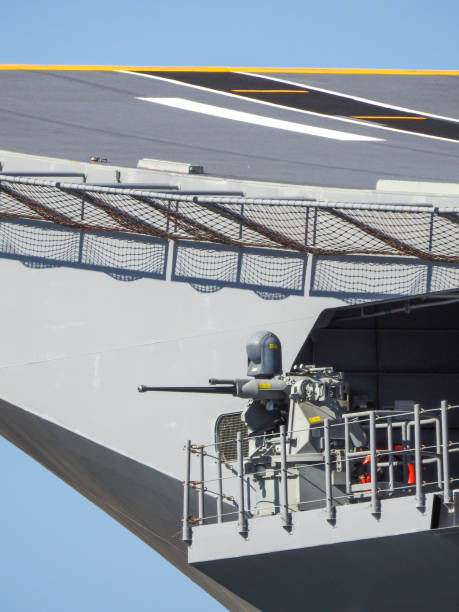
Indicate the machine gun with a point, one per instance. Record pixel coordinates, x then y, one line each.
302 398
247 388
264 364
267 391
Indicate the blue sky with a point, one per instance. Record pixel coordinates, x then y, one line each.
58 551
355 33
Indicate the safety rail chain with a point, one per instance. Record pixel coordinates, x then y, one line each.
302 225
389 457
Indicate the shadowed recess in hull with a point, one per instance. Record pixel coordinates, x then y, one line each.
399 350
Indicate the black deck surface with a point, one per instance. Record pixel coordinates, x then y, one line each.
297 97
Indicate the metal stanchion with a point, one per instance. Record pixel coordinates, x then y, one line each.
242 522
328 480
447 500
390 448
220 487
420 500
286 516
347 461
375 505
438 450
186 529
405 447
201 487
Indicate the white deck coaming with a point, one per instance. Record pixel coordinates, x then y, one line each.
12 161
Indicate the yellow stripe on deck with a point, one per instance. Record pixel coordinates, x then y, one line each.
271 90
261 69
383 117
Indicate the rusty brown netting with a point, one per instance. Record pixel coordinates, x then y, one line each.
306 226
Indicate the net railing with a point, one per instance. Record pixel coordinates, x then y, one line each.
425 232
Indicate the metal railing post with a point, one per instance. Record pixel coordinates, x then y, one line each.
405 447
186 528
390 448
375 506
314 236
347 461
242 521
220 488
420 501
201 487
286 516
445 455
328 479
438 451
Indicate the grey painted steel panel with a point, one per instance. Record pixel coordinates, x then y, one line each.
413 571
109 336
311 529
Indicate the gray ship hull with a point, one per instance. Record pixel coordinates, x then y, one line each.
360 576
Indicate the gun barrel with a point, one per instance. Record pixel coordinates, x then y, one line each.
227 390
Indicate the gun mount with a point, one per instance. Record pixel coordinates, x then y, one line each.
302 400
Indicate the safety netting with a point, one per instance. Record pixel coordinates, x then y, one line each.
307 226
357 278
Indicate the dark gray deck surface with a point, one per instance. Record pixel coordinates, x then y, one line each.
78 114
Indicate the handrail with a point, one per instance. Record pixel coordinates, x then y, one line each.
387 459
335 228
29 180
